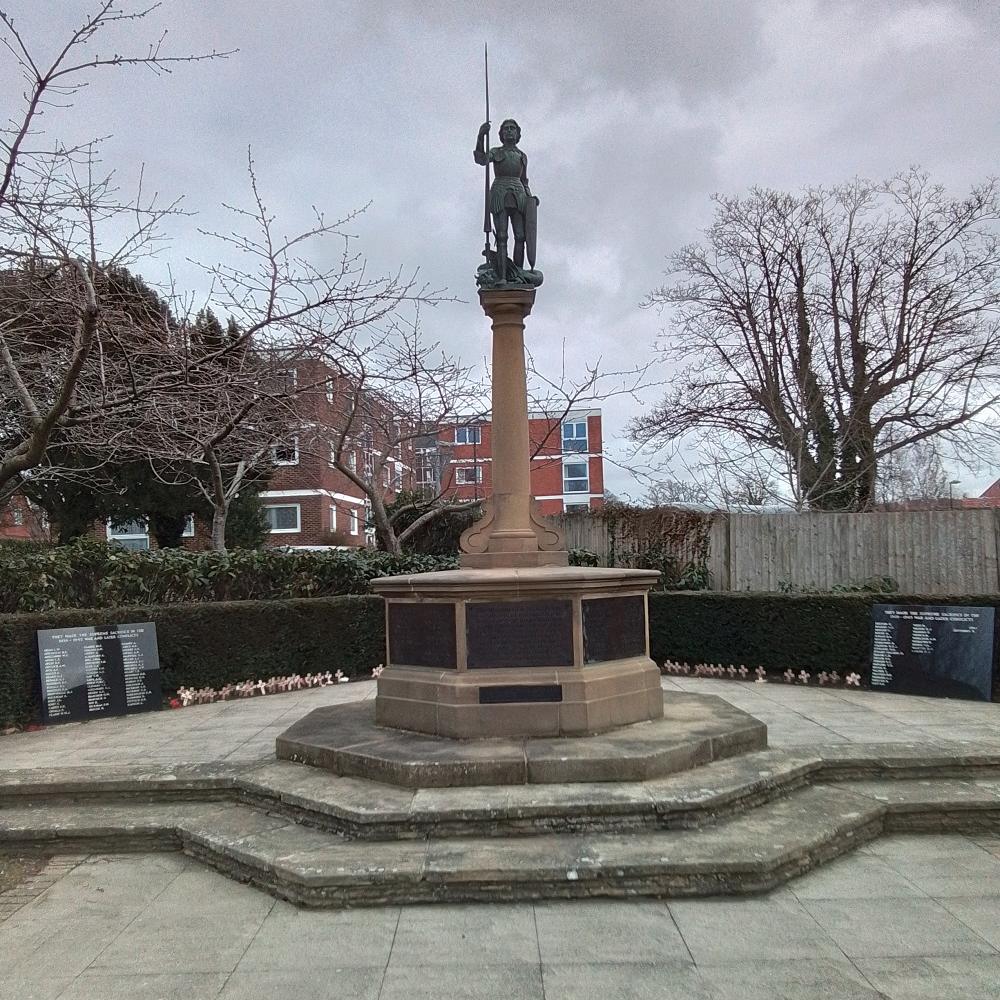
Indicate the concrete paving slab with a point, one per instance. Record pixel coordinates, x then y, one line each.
854 878
887 928
306 983
602 932
796 979
933 978
145 986
718 931
625 981
32 988
979 913
332 940
470 936
490 982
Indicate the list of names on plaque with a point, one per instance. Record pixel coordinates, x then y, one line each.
530 633
94 671
941 650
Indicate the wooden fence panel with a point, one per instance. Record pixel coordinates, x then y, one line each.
924 552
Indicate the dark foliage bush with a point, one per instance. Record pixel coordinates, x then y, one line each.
811 632
211 644
91 574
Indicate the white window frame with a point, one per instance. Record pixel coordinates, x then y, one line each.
427 475
354 524
331 389
575 479
17 517
115 535
295 447
469 435
294 379
333 516
352 460
574 437
297 507
575 506
188 531
477 471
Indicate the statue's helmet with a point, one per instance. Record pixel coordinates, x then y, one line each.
517 128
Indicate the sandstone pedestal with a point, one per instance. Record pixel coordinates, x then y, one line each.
549 651
516 643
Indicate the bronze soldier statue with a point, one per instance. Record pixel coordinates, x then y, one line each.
511 205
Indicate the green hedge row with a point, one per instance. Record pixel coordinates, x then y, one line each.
92 574
211 644
813 632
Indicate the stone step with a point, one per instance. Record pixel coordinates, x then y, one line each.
364 809
748 853
936 805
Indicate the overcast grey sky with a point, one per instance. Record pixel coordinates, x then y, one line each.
632 116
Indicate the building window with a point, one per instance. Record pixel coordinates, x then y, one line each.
287 380
352 460
574 436
575 477
286 517
385 475
331 389
18 517
426 475
576 508
287 453
467 476
333 517
129 534
467 435
188 531
353 515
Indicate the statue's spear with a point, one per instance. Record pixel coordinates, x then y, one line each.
487 226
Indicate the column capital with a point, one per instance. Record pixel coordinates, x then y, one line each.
500 301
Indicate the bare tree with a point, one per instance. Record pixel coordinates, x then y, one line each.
231 402
914 473
834 328
61 226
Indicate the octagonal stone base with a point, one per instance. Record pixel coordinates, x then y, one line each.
694 730
540 651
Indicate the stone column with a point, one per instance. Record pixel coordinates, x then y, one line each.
509 534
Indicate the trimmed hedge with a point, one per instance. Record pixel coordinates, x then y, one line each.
777 631
217 643
211 644
91 574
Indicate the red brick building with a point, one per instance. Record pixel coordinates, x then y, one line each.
308 503
567 467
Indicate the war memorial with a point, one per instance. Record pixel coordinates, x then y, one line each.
520 745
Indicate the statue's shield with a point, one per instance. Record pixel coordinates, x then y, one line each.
530 228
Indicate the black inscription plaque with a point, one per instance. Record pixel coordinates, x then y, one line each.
511 694
519 633
939 650
96 671
614 628
422 634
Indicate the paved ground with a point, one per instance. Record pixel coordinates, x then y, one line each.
909 918
245 730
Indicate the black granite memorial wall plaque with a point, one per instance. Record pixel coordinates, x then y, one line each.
514 694
941 650
614 628
95 671
422 634
519 633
